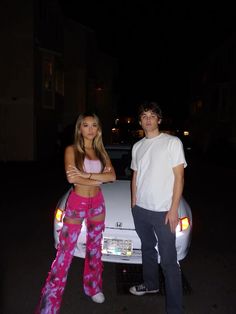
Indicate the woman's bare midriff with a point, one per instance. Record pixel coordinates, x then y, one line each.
86 191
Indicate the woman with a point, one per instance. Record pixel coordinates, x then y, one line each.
87 166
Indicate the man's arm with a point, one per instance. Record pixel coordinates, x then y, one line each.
172 215
133 189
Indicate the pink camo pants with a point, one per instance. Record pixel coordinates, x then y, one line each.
53 289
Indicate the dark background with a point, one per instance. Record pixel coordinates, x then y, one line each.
159 46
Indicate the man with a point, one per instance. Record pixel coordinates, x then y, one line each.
158 164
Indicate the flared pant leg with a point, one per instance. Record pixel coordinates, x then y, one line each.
93 266
53 289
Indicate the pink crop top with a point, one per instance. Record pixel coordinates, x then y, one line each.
92 165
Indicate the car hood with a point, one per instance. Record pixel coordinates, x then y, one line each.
118 205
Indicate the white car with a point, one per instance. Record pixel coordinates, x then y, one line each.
121 243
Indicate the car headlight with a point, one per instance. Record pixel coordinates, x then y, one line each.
59 214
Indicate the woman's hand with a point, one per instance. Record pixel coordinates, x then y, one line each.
73 172
107 169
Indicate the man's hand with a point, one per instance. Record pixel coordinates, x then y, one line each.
173 219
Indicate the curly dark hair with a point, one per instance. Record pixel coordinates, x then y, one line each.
149 106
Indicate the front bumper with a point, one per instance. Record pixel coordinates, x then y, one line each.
183 240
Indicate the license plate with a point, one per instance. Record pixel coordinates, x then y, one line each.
117 247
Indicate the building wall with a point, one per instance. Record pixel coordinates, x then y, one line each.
104 93
48 77
16 80
89 77
213 113
50 71
75 36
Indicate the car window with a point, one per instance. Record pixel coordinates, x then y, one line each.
121 159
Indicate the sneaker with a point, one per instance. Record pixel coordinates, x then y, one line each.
98 298
141 290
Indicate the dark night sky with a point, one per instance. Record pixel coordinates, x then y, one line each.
158 46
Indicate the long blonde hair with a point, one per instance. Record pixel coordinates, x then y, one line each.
79 147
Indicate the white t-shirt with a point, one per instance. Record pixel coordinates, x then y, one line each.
154 160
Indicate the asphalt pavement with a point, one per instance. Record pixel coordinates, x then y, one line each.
29 195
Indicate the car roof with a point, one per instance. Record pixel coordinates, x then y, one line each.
118 147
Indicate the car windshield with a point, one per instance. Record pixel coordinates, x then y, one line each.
121 159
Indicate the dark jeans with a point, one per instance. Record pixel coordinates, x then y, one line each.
151 228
